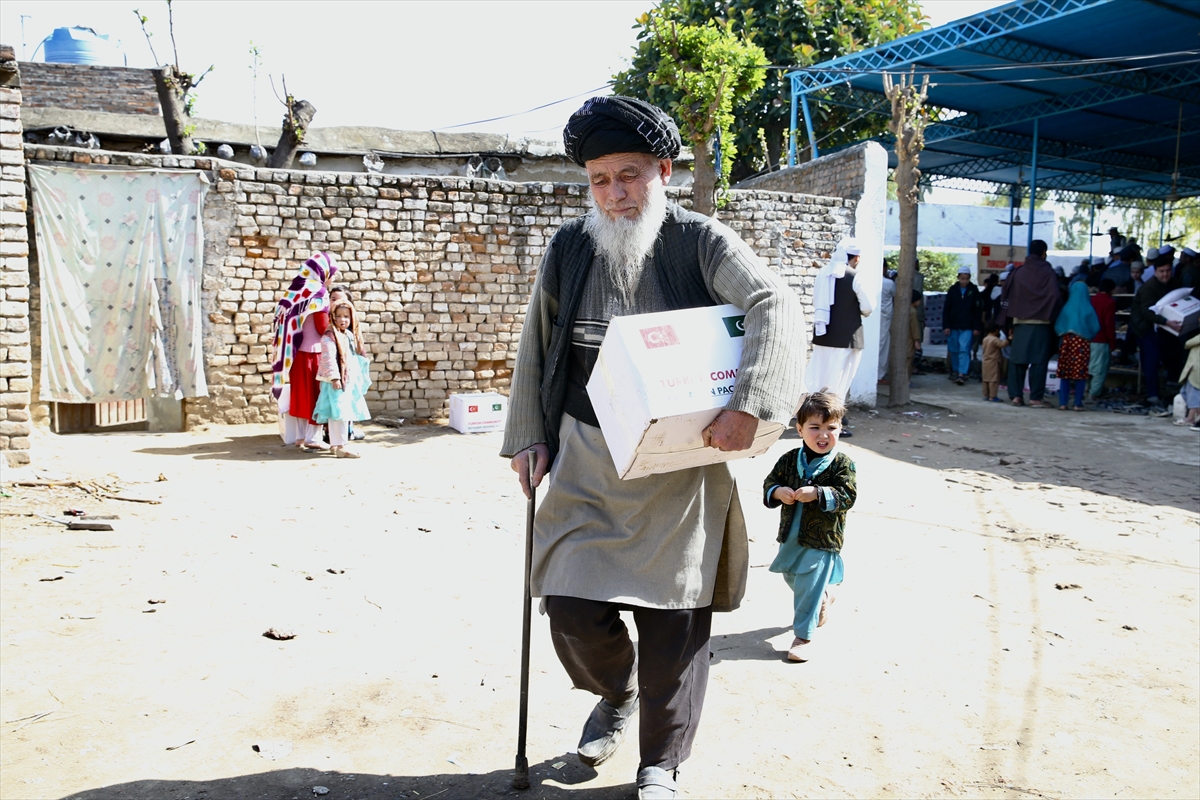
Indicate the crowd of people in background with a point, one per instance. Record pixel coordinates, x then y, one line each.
1034 313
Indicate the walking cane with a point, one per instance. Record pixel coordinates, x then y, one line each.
521 778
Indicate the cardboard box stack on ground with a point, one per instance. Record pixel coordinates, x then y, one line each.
478 413
660 380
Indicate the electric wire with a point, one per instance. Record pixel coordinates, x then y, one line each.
530 111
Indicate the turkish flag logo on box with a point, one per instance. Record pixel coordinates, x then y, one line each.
660 336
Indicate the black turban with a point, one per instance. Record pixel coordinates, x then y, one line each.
607 125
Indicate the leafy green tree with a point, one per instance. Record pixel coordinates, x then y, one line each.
792 33
940 269
711 68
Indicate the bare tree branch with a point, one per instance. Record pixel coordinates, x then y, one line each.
142 21
171 28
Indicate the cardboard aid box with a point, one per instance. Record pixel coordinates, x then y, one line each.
660 380
478 413
1052 379
1179 306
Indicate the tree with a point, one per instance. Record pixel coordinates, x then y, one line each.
174 90
941 269
792 33
711 68
297 116
909 117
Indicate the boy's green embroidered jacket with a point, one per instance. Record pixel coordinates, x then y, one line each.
823 525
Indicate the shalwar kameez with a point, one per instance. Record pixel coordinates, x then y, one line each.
668 548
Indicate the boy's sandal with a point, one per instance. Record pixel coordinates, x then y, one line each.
1038 404
1018 401
798 653
344 453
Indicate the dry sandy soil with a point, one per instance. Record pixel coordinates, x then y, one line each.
1020 619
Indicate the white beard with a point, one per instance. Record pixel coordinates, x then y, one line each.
624 243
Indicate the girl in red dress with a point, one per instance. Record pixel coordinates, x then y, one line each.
301 319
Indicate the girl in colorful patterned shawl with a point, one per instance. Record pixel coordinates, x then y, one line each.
816 486
301 317
345 375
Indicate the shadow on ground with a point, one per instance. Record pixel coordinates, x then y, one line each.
559 777
748 646
269 447
1097 451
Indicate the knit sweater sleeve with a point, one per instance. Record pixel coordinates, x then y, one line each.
772 368
524 425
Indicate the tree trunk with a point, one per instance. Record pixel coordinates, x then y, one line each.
899 364
170 97
295 124
774 135
908 124
704 178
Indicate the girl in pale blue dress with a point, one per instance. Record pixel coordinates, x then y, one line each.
345 375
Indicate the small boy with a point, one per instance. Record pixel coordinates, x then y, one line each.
816 487
992 347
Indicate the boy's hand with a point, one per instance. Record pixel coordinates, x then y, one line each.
806 494
337 385
784 495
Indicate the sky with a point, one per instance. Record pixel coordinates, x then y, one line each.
400 65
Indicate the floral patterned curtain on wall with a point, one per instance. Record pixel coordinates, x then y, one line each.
120 254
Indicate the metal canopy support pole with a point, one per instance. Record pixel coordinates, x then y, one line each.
1162 224
1032 186
812 140
1012 206
792 130
1091 230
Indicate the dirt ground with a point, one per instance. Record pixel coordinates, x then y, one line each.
1020 619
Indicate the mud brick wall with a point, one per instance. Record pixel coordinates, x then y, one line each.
15 347
841 174
440 269
89 87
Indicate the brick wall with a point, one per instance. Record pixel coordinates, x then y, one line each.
440 269
89 87
841 174
15 381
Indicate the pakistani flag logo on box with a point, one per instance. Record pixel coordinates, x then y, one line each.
736 326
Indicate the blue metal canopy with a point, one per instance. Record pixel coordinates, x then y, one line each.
1092 96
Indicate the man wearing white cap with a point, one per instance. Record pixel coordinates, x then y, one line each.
840 301
962 319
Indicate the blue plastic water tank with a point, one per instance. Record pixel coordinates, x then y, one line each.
79 46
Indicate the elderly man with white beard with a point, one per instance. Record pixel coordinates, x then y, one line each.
667 549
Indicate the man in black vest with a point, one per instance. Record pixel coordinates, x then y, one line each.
649 547
840 301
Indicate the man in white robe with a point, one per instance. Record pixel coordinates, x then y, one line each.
840 302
